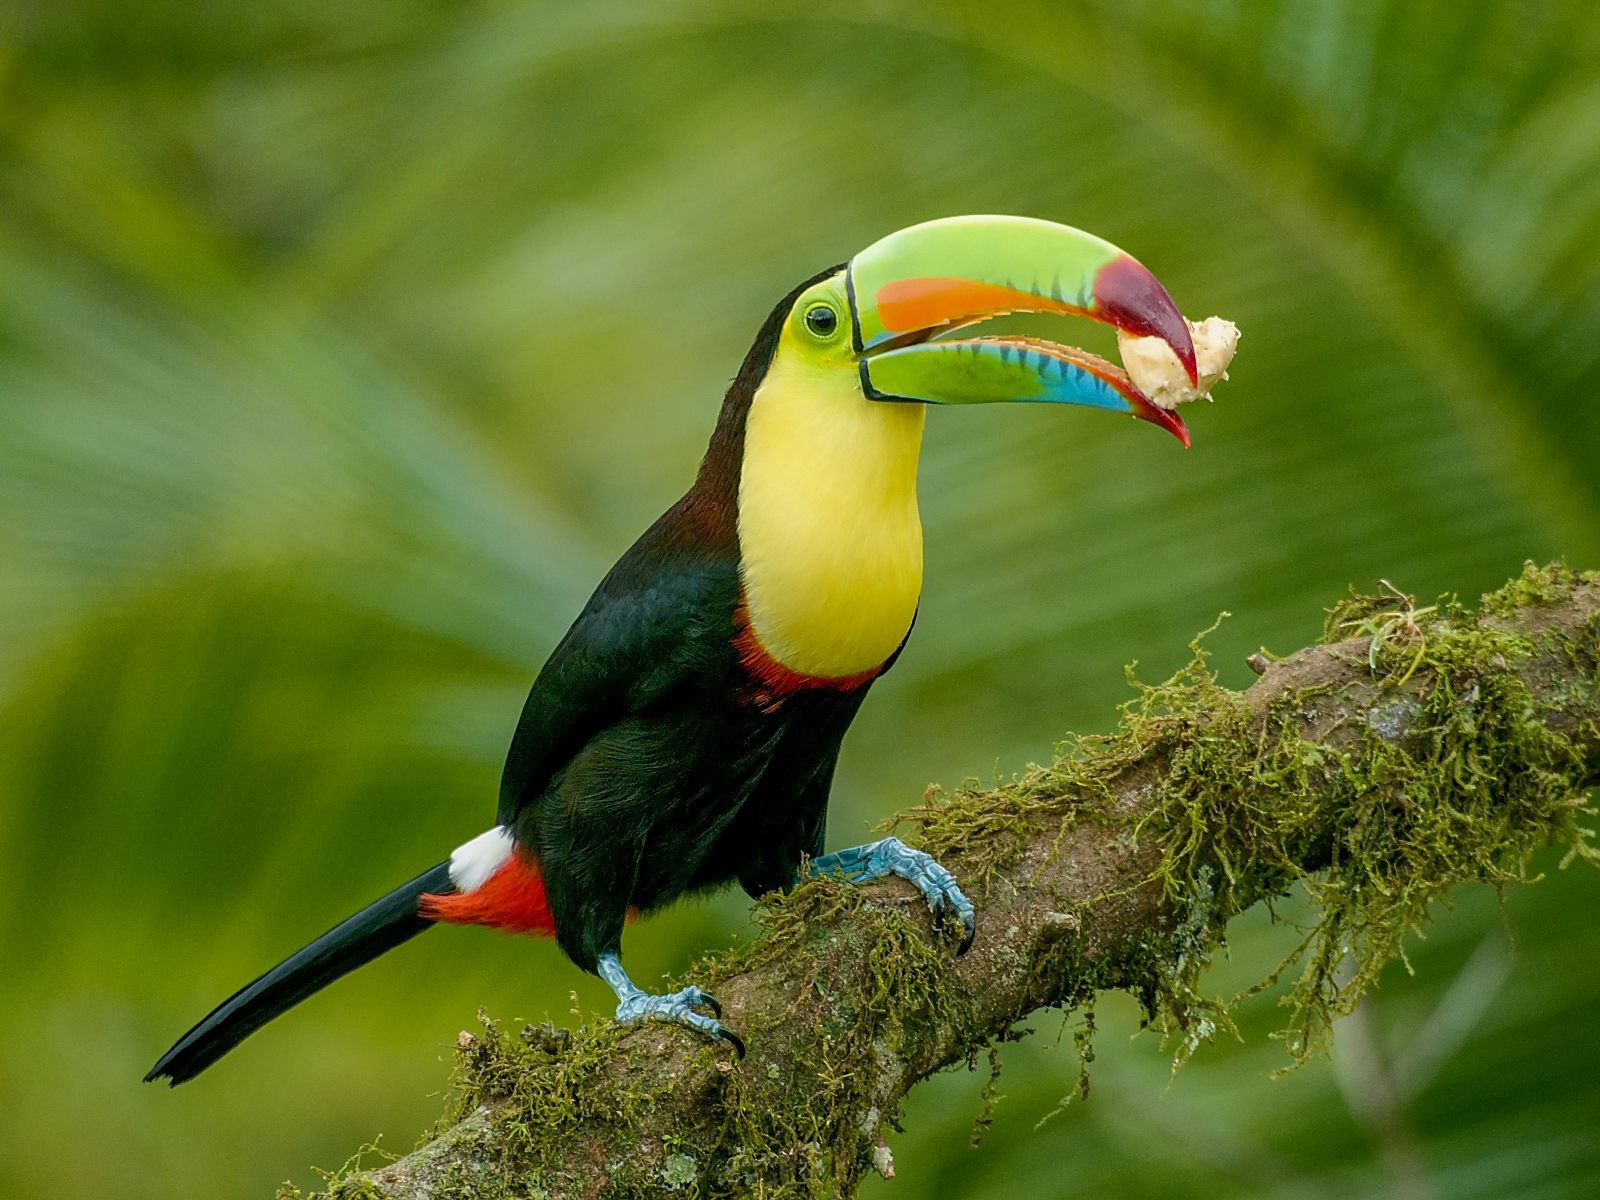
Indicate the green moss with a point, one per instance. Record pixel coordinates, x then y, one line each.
1456 779
544 1087
347 1182
1536 587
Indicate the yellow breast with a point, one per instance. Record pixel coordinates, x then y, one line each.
829 536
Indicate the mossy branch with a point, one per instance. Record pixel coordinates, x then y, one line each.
1415 749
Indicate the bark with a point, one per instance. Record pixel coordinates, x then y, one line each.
1077 907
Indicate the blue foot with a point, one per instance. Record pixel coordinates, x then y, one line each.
636 1004
893 857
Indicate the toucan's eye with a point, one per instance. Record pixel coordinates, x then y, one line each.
821 320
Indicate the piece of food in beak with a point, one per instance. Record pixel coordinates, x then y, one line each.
1156 371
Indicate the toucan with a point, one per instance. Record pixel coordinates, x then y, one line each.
684 733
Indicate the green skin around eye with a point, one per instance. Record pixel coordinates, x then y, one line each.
822 321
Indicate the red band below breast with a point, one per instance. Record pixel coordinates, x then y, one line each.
771 681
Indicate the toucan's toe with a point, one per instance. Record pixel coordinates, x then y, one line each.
935 881
891 856
680 1008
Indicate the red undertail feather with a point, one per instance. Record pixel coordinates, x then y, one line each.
511 899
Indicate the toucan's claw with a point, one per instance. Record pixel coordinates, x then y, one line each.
969 927
635 1004
891 856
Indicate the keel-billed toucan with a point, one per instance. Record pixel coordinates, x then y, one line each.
684 732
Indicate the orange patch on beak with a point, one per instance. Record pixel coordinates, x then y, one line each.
933 300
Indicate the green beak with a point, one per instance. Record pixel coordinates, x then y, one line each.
942 274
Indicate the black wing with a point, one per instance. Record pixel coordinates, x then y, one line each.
662 619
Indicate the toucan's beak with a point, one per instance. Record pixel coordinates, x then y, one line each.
942 274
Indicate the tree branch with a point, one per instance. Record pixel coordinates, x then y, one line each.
1434 747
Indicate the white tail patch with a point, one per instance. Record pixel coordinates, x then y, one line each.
472 863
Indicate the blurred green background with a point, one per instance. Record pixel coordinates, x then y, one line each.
343 345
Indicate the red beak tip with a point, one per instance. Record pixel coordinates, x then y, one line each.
1164 417
1178 429
1131 298
1175 425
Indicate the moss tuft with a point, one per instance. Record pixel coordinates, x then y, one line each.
1536 587
813 1133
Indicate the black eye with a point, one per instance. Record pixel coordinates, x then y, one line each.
821 320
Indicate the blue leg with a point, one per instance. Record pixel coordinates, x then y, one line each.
636 1004
893 857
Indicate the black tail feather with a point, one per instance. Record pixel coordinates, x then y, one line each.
379 927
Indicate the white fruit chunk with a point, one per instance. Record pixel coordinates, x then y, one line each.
1156 371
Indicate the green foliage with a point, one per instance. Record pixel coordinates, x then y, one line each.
343 346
